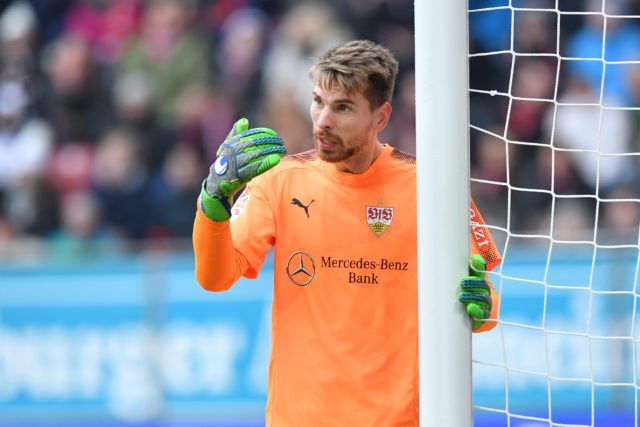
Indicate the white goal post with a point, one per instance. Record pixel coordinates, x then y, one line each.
443 211
538 119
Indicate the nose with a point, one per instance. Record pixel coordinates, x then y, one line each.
325 119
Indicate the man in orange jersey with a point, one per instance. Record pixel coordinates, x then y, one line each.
342 217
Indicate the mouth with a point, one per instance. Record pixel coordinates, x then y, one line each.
326 142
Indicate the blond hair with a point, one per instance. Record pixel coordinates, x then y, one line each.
358 65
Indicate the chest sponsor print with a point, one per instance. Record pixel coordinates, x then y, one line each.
379 219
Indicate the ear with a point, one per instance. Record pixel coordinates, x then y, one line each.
382 115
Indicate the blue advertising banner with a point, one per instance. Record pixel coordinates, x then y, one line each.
132 340
135 341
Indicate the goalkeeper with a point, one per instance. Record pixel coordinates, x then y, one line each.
342 218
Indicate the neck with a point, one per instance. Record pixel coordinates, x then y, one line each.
362 161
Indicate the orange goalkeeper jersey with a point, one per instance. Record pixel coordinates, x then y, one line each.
344 338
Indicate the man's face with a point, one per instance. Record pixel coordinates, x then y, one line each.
343 124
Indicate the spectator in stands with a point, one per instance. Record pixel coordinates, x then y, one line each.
18 56
120 183
25 146
22 137
305 31
200 113
594 42
171 189
75 100
620 216
81 235
105 25
491 163
401 130
133 98
283 113
592 134
171 51
239 56
535 31
490 30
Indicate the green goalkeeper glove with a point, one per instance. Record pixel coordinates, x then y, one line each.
245 154
476 293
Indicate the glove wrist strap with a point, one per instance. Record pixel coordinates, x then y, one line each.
216 207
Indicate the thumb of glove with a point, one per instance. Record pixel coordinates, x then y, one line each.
238 127
478 266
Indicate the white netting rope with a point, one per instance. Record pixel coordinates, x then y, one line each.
618 333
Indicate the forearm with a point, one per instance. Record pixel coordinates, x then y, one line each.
218 265
244 154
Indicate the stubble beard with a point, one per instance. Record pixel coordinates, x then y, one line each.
339 153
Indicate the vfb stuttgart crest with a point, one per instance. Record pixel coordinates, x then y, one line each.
379 219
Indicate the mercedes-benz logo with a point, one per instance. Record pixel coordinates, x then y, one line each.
300 268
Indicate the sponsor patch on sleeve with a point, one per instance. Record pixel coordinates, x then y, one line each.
481 241
240 204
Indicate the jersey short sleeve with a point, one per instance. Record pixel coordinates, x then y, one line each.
253 225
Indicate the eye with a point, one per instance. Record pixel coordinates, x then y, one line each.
343 107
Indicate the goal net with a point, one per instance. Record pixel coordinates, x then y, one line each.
555 160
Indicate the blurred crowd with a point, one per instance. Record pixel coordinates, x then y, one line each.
111 111
555 114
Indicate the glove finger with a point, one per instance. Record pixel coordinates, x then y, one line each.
262 141
474 284
470 297
254 142
478 266
255 131
257 154
478 312
258 167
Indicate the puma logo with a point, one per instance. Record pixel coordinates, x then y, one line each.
297 202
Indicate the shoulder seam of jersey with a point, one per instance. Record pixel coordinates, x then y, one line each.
403 156
302 157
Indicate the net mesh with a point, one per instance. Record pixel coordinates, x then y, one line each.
554 89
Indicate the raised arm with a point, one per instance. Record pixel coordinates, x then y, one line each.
245 154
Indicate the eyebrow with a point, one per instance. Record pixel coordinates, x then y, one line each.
337 101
